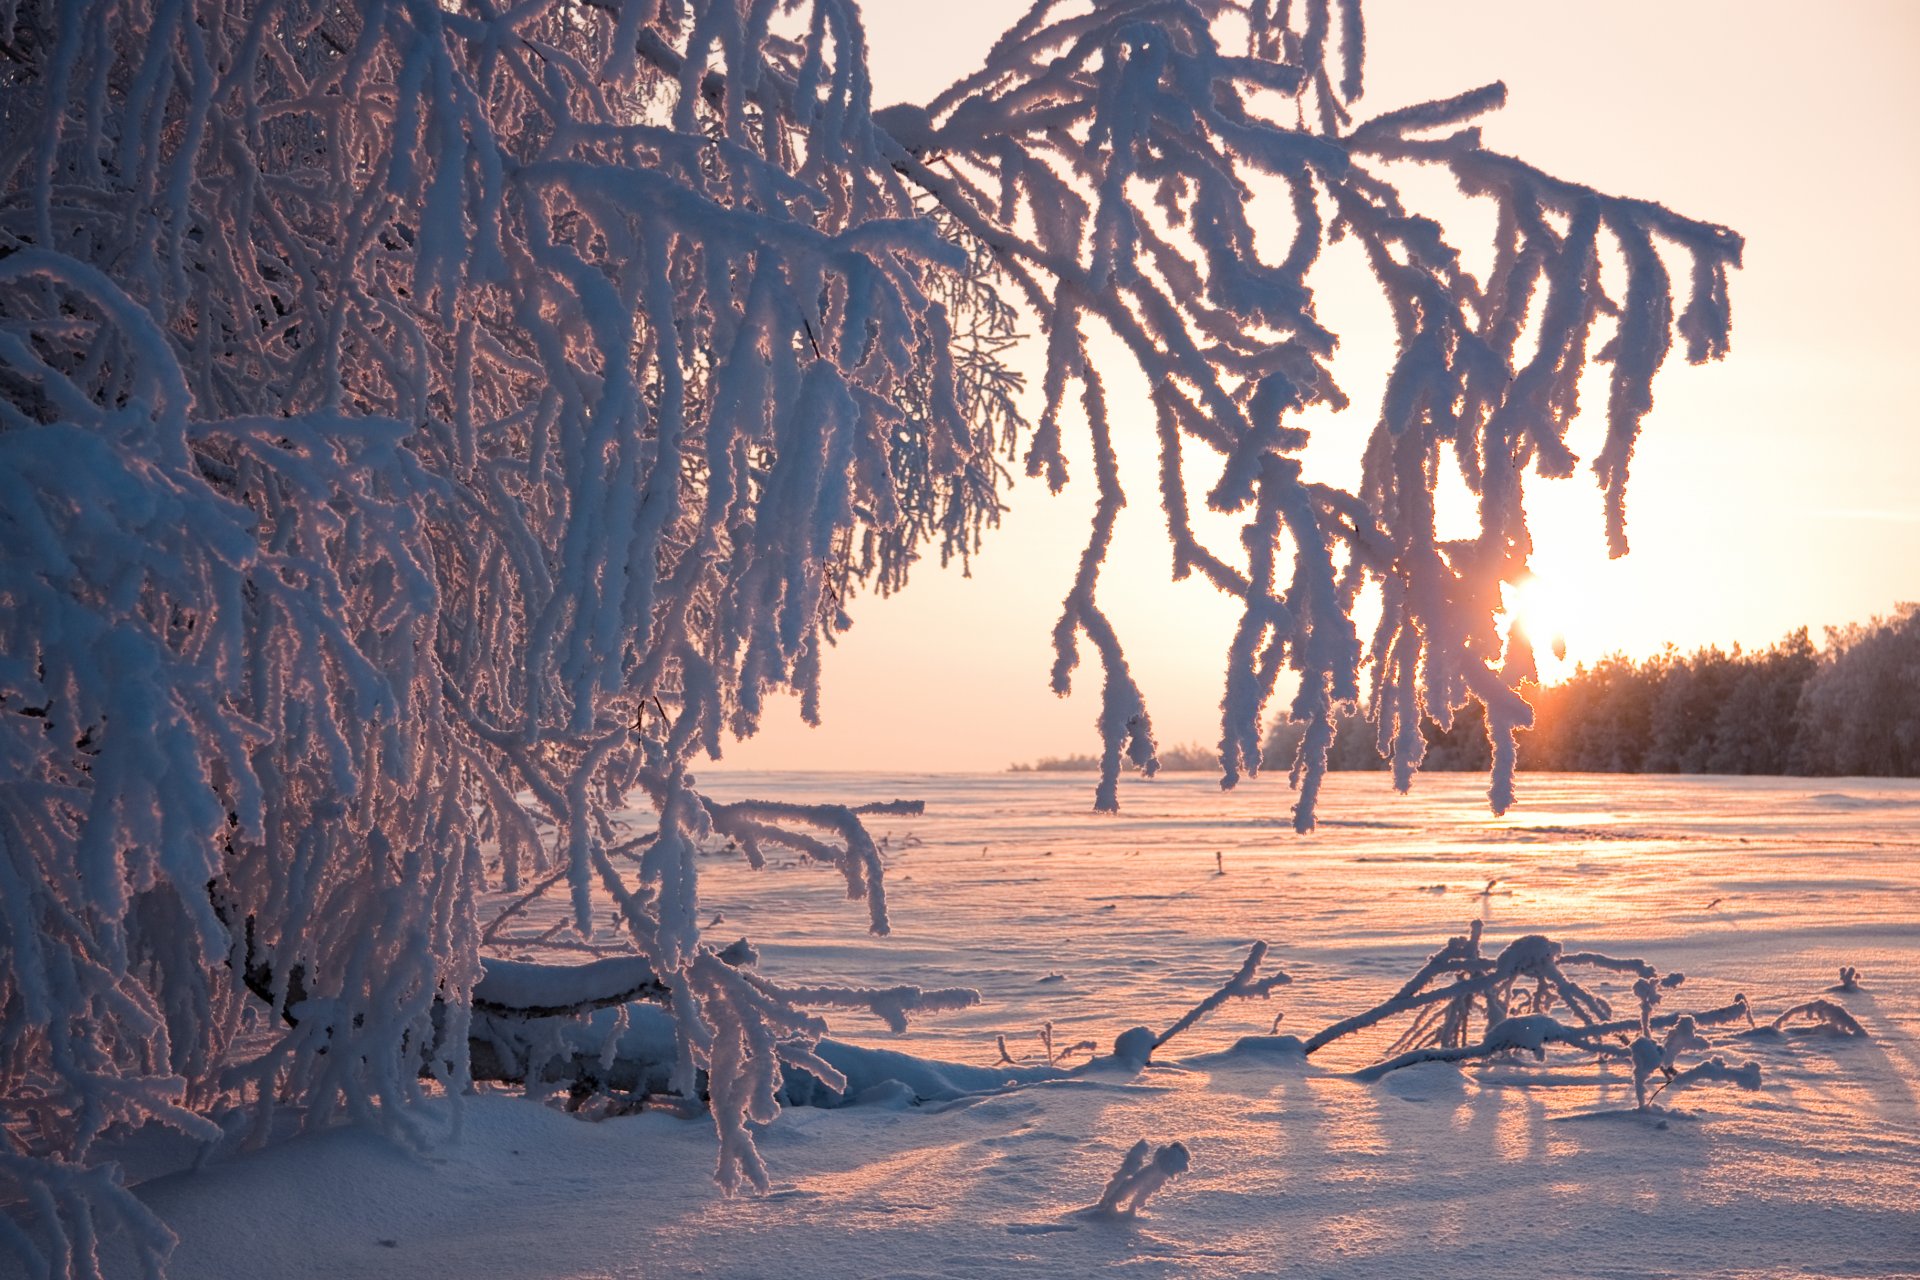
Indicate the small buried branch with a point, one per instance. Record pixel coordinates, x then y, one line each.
1746 1076
1822 1013
1242 985
1142 1172
1136 1045
1530 1033
1056 1054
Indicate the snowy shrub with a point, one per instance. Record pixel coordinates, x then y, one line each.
417 420
403 411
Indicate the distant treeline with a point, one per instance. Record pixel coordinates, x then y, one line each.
1186 756
1851 708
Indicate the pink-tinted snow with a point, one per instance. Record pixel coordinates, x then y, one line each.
1007 884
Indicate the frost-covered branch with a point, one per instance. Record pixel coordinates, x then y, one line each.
1512 994
1106 154
1242 985
1829 1014
405 410
1529 977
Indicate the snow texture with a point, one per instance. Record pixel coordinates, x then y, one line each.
1506 1166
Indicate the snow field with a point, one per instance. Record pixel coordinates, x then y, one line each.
1096 924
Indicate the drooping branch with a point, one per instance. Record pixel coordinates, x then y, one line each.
1106 157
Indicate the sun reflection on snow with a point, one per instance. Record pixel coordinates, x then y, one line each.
1517 1129
1349 1123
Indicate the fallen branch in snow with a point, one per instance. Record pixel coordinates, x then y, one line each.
1822 1013
1135 1046
1530 973
1529 1033
518 989
1736 1010
1242 985
1515 1019
1532 1033
1746 1076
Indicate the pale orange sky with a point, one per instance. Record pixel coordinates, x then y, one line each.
1778 489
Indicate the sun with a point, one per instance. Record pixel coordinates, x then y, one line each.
1542 611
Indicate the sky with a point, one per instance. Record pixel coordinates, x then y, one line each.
1775 490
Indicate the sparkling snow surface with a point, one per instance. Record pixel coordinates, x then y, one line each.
1008 884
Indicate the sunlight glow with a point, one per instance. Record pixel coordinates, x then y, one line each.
1545 611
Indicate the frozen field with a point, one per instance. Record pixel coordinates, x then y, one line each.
1009 885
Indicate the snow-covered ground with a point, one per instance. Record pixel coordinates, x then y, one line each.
1009 885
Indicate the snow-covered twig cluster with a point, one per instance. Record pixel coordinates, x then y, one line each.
1513 996
1528 976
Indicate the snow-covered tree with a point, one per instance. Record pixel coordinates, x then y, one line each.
1859 711
417 417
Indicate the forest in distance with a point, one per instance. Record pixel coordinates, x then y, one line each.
1849 709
